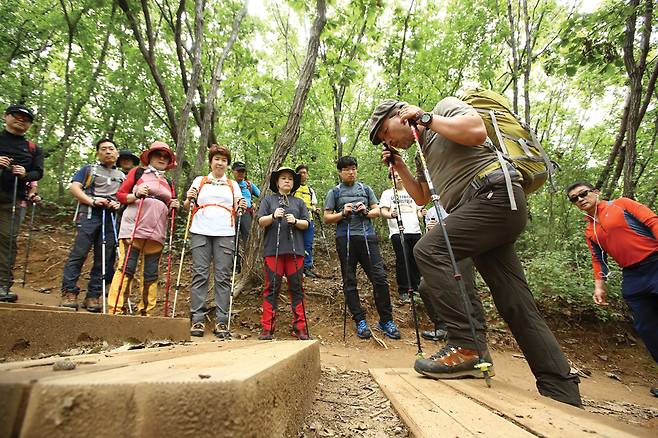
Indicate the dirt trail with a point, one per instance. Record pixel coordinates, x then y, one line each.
617 372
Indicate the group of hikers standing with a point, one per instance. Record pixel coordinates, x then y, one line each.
483 194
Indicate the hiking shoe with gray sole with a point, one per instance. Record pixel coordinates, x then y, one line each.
198 329
454 362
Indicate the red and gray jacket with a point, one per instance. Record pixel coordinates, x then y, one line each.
624 229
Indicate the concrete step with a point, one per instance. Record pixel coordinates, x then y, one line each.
28 331
465 408
233 388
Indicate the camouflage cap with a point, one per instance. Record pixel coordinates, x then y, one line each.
381 113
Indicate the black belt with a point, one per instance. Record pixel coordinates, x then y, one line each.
650 259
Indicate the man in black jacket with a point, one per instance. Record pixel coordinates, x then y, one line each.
21 162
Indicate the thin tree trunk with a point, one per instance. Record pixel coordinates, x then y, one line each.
209 109
402 47
148 53
181 138
284 143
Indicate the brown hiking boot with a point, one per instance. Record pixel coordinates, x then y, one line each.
92 304
453 362
69 299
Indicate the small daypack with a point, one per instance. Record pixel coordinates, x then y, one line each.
513 140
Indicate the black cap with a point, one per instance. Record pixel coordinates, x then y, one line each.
20 108
239 165
128 154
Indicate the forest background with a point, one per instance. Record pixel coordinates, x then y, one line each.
289 82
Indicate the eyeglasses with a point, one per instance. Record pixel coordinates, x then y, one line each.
580 195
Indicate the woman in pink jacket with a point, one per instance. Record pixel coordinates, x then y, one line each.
148 192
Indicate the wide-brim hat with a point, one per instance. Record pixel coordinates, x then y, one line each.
381 113
145 157
125 153
274 178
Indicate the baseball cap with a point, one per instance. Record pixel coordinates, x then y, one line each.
380 114
20 108
239 165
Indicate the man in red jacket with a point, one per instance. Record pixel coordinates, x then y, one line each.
628 232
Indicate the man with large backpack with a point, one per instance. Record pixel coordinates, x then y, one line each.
95 187
483 224
21 162
351 205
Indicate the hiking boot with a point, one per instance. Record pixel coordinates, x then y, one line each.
6 296
405 297
654 391
309 273
69 299
198 329
434 335
221 331
389 329
362 329
92 304
301 334
266 335
452 362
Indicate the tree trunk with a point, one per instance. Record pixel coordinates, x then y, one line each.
284 143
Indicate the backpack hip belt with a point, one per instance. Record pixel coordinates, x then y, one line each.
496 176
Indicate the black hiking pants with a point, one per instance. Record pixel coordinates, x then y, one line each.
485 228
373 266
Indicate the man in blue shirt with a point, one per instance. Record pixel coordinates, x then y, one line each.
249 191
350 205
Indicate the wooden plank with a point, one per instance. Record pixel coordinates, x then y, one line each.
542 415
430 409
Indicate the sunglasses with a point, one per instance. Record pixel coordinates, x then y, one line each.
580 195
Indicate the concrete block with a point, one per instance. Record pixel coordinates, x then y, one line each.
257 389
27 332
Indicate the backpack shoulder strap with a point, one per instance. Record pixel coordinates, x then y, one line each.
90 176
32 147
336 193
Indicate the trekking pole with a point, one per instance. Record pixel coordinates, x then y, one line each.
104 257
29 241
482 365
235 268
276 267
118 251
301 280
405 256
182 256
324 237
11 230
347 266
168 282
130 247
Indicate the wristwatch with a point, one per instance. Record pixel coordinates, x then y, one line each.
425 119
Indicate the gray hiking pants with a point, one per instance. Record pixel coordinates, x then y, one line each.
484 228
204 250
